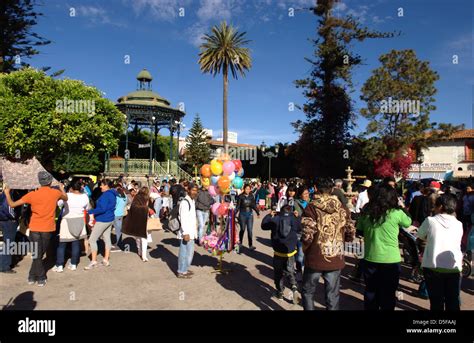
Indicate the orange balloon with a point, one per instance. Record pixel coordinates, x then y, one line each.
206 170
224 182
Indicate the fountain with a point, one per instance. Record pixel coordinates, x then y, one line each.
349 193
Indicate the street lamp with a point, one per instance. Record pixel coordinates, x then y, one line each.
270 155
179 125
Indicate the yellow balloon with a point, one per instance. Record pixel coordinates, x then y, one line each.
216 167
205 181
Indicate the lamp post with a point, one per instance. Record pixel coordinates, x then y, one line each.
270 155
179 125
420 160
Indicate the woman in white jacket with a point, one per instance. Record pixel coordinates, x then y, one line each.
442 258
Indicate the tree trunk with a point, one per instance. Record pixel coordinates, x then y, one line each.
224 111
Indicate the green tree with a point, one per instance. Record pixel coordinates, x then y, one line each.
17 18
325 133
222 50
48 118
400 96
198 151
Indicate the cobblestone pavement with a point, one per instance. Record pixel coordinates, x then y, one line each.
130 283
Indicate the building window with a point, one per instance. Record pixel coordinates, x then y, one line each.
469 149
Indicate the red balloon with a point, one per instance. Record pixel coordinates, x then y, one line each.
223 208
238 164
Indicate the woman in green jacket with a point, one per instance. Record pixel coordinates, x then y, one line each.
380 224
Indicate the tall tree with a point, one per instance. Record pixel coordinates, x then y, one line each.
198 151
17 41
222 50
325 133
53 119
399 96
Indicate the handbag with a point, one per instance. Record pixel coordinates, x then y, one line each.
153 224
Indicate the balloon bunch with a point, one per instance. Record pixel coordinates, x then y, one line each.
220 176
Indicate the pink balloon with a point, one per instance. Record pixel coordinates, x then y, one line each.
212 190
228 167
215 208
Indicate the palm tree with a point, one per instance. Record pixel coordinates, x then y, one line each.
221 50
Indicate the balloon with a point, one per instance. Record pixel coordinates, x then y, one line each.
237 164
212 191
238 182
223 208
224 182
206 170
215 208
216 167
232 176
214 179
240 172
228 167
205 181
224 190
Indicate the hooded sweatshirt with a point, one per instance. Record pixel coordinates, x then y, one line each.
285 230
443 233
326 226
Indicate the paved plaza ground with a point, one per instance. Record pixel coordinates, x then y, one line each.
130 284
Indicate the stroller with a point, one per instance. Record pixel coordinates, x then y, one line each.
412 253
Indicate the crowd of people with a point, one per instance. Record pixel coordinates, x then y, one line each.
309 225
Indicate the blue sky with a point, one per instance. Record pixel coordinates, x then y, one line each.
92 45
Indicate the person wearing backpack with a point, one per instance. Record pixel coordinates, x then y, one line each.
326 226
285 228
8 226
188 230
204 201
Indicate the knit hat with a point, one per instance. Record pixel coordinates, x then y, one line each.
435 184
44 178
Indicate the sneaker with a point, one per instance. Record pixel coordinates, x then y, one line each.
72 267
9 271
295 297
42 283
58 269
115 249
278 295
252 247
183 276
92 265
31 282
105 263
190 272
145 259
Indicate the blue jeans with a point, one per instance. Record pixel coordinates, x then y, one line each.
246 221
185 257
75 253
118 228
9 232
202 218
331 287
157 207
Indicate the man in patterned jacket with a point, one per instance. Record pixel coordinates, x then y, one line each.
326 225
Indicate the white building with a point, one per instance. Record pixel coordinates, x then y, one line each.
451 157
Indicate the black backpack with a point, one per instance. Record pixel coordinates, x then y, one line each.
285 226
